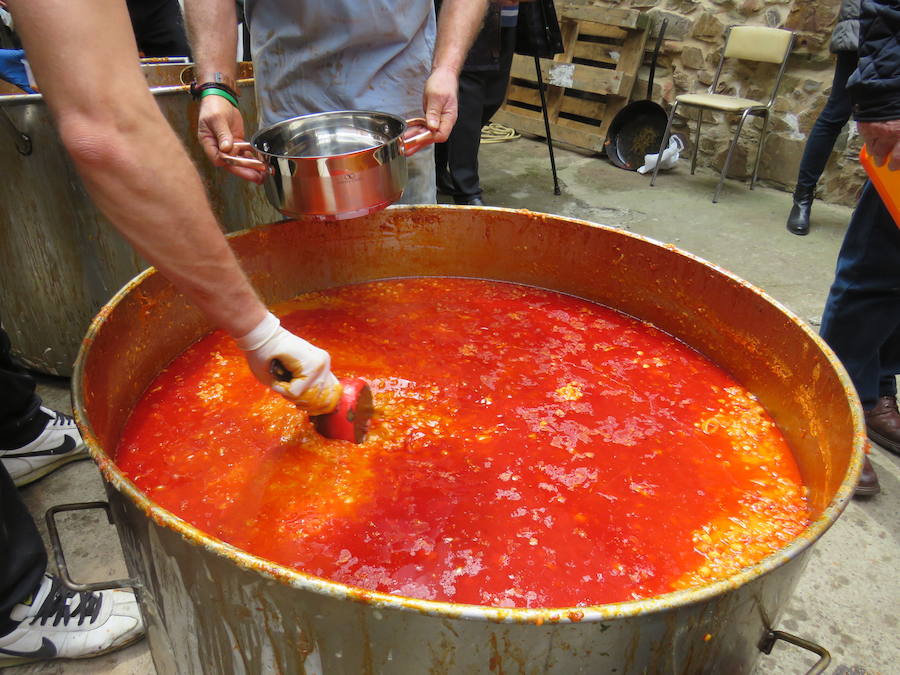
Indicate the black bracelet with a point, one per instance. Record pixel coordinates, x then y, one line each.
197 89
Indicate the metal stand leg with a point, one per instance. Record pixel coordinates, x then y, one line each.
665 139
731 147
759 148
696 140
540 81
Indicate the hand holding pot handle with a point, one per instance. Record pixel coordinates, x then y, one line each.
242 161
415 143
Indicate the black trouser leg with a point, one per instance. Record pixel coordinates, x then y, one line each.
828 124
481 93
21 419
495 82
159 28
23 558
462 146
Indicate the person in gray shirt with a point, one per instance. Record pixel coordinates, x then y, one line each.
312 56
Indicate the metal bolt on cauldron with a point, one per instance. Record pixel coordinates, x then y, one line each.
248 615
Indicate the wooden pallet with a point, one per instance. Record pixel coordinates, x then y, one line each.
587 84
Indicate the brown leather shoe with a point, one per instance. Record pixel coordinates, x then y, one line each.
868 485
883 424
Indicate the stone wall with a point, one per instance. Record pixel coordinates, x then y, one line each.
690 54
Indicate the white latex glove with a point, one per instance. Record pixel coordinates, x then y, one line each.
312 386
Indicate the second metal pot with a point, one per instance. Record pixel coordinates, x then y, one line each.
333 165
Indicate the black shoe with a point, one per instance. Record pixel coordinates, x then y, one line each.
798 219
469 200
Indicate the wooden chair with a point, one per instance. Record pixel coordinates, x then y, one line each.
751 43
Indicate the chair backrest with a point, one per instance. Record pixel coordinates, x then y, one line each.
756 43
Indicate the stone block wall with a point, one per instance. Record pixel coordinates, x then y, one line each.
689 56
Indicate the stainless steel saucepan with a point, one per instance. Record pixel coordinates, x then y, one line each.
333 165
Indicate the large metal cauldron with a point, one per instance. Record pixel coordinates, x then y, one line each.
214 609
62 260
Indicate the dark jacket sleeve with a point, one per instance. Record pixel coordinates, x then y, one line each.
875 86
845 36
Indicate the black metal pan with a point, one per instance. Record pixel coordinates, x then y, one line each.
638 128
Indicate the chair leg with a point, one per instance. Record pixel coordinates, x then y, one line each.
759 148
662 145
696 140
737 133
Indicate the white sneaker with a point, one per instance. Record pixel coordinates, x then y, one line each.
59 443
58 623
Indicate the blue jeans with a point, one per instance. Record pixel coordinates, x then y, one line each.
829 123
861 321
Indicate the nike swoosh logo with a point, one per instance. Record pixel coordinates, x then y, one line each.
47 650
68 445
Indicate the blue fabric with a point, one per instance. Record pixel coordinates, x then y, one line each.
875 86
13 70
829 124
315 56
861 321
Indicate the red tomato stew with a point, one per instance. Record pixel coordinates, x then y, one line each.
528 449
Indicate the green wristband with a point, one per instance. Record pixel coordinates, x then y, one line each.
213 91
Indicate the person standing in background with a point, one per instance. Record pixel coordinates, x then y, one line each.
835 114
861 321
482 90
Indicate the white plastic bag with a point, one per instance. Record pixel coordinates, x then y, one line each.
669 156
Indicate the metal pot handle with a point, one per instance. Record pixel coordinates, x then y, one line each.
415 143
772 636
244 162
56 545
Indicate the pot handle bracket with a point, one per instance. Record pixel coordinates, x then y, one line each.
56 545
772 636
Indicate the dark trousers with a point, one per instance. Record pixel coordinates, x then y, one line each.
861 321
158 28
21 419
23 558
829 124
481 93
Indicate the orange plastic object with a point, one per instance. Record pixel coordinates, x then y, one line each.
887 183
350 420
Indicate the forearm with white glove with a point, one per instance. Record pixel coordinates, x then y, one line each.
291 366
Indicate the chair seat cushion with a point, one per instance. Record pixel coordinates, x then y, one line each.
719 101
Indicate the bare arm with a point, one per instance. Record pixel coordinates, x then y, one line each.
458 25
212 27
130 160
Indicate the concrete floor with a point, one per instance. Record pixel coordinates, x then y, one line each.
847 599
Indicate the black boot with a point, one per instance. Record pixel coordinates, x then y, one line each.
798 220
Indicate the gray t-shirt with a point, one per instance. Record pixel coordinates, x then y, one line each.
316 56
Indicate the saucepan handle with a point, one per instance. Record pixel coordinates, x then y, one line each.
415 143
244 162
